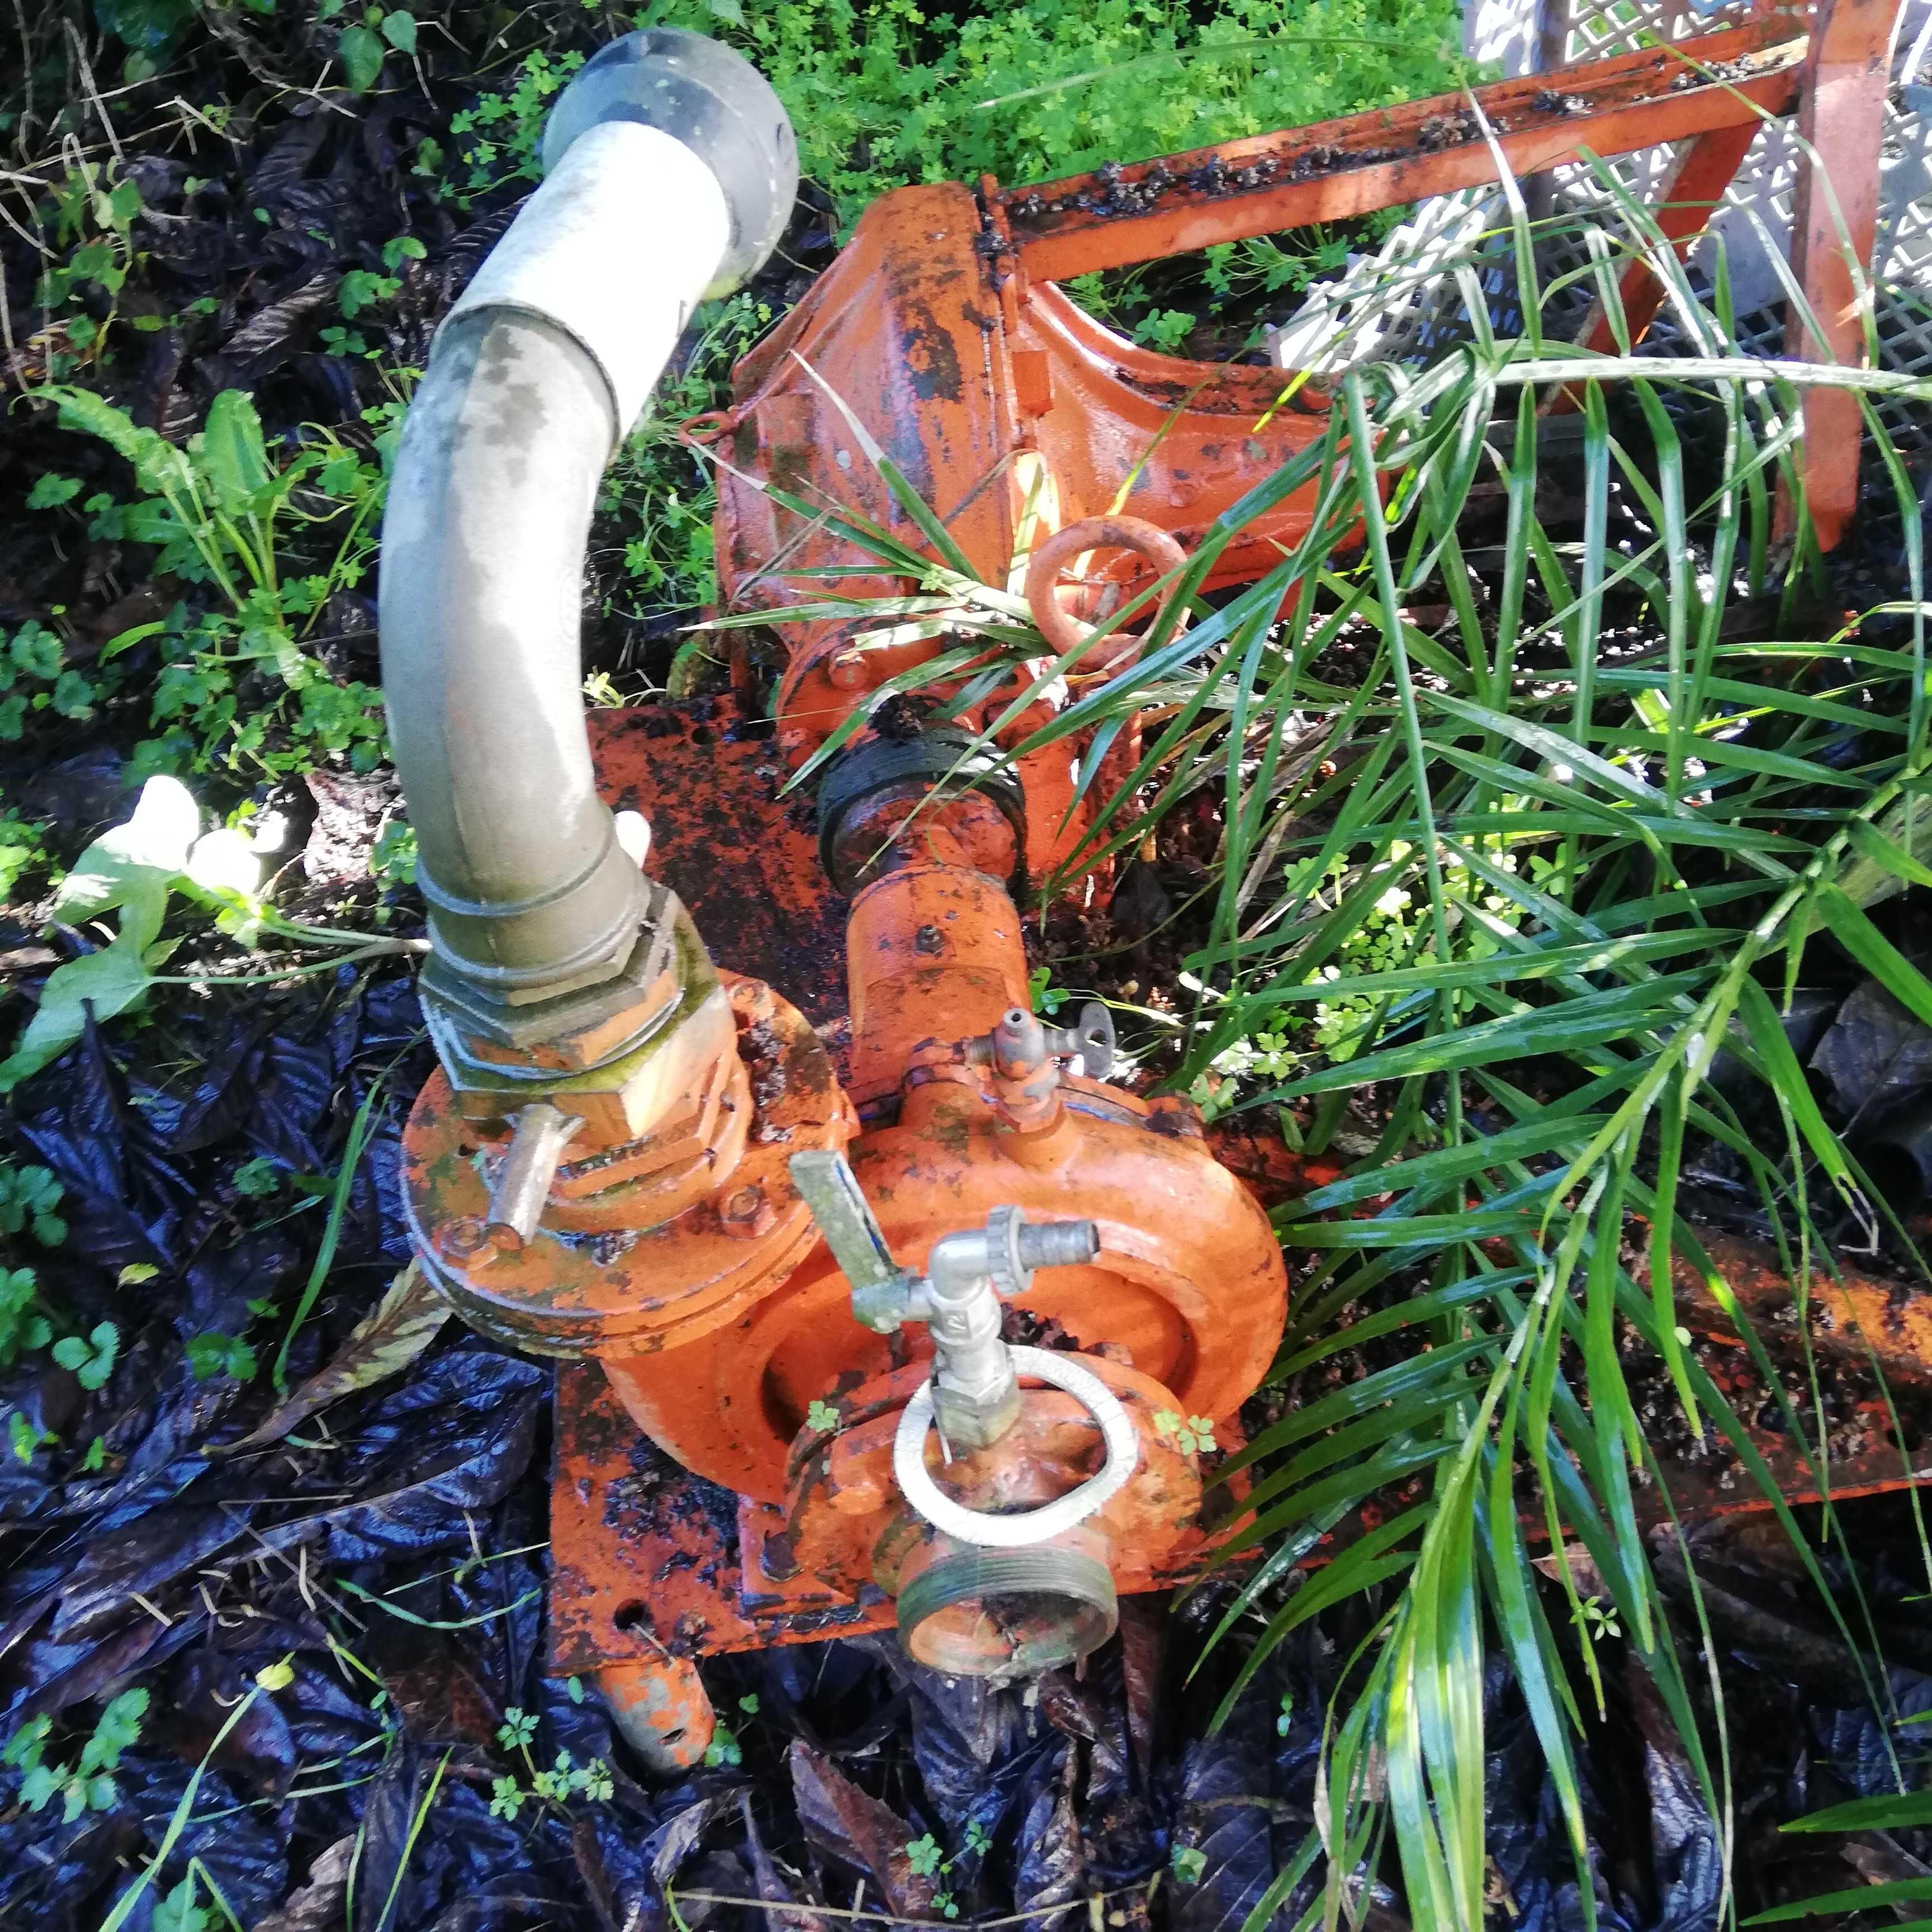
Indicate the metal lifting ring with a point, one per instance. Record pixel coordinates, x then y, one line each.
1016 1531
1098 655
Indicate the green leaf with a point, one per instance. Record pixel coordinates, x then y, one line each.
358 289
1883 867
73 696
1889 1811
144 26
399 29
132 866
231 453
160 468
24 1746
1859 1898
92 1360
1787 1080
1875 952
213 1354
35 651
362 52
106 983
118 1730
50 491
1568 1025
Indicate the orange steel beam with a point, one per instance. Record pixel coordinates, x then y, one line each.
1834 216
1860 1318
1333 170
1691 191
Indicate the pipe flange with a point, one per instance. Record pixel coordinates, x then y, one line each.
618 1291
718 104
1000 1615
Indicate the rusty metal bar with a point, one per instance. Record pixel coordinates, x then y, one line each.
1334 170
1840 125
1853 1314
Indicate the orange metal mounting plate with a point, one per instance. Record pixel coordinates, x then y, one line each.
743 858
645 1554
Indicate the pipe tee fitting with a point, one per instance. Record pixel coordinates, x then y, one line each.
975 1393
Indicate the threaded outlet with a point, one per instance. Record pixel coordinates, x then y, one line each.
1007 1613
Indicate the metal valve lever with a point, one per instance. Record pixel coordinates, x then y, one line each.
1091 1038
976 1395
540 1134
828 1187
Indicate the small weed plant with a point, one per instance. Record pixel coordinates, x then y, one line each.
880 95
87 1783
236 689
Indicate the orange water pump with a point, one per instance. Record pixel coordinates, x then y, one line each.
876 1301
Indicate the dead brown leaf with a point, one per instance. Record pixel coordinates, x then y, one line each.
403 1325
858 1831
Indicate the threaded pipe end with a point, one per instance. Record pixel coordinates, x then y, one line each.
1003 1614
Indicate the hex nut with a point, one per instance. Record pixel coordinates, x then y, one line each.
578 1031
626 1098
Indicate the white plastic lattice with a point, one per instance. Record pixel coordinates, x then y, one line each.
1453 259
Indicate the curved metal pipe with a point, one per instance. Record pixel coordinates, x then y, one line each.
483 554
671 173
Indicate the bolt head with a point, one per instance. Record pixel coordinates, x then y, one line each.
463 1238
747 1212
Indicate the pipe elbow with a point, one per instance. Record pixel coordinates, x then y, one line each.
668 159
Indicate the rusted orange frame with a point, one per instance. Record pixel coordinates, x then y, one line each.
1841 117
1717 89
1335 170
1692 189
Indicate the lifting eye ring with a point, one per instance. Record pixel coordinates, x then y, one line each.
1063 630
1019 1531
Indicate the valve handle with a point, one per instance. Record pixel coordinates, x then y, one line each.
540 1134
824 1179
998 1260
1092 1038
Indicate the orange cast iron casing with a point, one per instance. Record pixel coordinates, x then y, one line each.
721 1321
1008 418
1189 1287
683 1262
938 337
